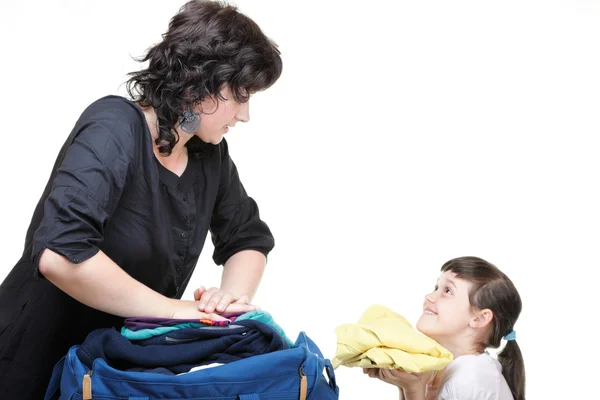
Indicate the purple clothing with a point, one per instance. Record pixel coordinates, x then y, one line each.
135 324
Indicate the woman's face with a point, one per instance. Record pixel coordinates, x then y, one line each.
217 116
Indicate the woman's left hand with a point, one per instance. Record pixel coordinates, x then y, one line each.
215 300
410 382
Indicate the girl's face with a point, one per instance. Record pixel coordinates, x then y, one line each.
446 311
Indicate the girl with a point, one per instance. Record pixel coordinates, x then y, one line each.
473 306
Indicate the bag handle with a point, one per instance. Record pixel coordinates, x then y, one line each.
54 384
330 374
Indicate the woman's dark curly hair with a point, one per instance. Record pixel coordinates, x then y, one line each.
208 45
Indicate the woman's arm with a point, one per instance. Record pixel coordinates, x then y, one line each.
242 274
242 242
101 284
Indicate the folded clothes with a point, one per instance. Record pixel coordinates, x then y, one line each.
144 328
135 324
385 339
183 349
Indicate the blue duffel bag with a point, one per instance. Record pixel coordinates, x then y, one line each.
300 372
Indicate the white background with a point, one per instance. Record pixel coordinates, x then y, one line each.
400 135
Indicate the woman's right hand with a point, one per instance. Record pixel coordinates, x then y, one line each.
188 309
213 299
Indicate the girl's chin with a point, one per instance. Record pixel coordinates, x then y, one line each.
423 328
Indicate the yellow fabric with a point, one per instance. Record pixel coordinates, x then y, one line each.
384 339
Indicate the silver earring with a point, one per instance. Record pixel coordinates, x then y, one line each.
191 121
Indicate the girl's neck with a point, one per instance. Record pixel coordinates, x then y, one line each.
460 349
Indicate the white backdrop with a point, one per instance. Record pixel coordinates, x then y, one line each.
400 135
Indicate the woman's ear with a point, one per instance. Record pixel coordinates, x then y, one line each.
209 105
482 319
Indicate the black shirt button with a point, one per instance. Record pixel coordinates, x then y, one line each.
184 235
177 289
178 269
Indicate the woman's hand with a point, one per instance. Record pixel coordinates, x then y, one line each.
187 309
214 300
410 382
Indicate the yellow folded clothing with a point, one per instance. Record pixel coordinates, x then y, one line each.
384 339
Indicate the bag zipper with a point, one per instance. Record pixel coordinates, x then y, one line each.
87 386
303 383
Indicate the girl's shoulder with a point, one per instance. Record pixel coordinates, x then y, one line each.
474 377
479 364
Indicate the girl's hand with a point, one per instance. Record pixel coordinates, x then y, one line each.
410 382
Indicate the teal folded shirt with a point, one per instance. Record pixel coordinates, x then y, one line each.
265 318
148 333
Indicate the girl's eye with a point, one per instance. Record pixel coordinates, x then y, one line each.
448 291
435 288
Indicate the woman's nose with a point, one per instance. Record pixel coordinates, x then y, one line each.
243 114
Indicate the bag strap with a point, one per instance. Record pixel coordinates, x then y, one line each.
54 385
330 374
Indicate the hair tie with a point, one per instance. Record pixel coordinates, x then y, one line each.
511 336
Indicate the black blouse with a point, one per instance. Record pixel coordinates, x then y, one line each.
108 192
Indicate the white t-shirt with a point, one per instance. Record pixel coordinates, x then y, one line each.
472 377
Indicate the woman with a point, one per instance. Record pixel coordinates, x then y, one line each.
473 306
132 195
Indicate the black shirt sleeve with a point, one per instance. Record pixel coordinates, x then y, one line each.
86 189
236 223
